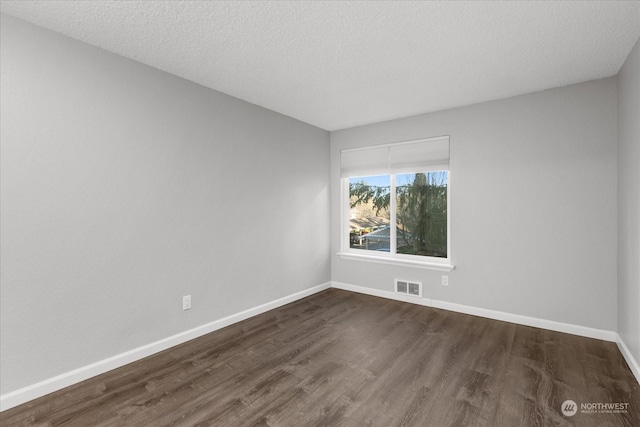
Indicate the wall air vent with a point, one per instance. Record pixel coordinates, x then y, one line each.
408 288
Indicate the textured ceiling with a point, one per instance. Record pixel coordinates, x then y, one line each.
342 64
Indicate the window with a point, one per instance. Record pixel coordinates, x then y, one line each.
396 202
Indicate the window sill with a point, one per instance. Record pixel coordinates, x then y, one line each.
396 261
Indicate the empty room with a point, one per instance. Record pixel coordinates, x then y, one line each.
319 213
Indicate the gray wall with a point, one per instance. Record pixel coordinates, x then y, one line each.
124 188
629 202
533 204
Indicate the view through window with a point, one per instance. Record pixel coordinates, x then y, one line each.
416 205
369 214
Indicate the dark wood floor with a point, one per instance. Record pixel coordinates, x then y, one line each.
344 359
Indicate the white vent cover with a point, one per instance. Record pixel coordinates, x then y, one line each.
407 287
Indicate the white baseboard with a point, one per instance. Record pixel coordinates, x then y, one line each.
382 294
551 325
631 361
23 395
50 385
490 314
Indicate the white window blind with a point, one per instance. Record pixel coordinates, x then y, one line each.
423 155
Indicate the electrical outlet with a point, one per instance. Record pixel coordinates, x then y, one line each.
445 280
186 302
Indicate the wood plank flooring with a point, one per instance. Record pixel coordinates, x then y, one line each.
344 359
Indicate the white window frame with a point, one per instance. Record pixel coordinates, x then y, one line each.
391 257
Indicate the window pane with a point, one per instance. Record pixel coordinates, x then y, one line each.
421 213
369 222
